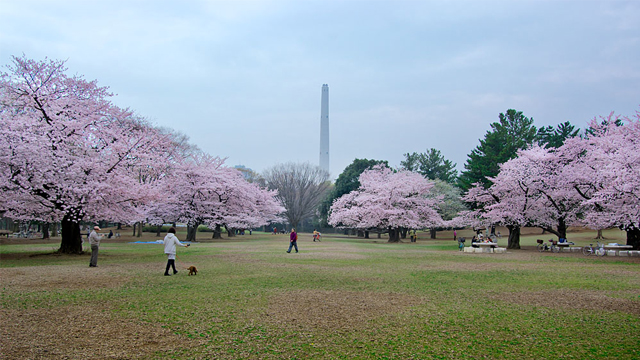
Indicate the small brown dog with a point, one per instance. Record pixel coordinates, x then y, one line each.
192 270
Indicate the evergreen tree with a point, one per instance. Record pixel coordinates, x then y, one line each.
550 137
512 132
431 165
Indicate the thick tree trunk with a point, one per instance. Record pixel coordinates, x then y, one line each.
366 234
633 238
54 229
599 236
394 235
403 233
493 230
134 229
45 230
432 233
119 226
231 232
140 225
217 232
379 234
562 229
71 237
191 232
159 230
514 237
360 233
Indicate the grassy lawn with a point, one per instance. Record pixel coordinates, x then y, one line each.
342 298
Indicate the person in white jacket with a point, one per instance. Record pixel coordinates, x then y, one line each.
170 242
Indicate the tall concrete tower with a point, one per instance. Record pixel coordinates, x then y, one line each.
324 128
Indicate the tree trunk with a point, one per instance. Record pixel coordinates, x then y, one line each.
379 234
493 230
394 235
366 234
54 229
159 230
217 232
45 230
119 226
403 233
134 228
231 232
191 232
71 237
432 232
514 237
633 238
140 229
562 229
600 237
360 233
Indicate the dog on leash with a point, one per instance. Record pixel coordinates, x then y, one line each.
192 270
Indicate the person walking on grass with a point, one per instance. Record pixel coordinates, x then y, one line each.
293 240
94 241
170 242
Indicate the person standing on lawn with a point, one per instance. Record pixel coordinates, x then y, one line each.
94 241
293 240
170 242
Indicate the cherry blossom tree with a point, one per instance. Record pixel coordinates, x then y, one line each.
388 200
504 203
606 174
202 190
529 191
555 205
66 152
250 206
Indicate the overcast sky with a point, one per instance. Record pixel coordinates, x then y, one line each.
243 78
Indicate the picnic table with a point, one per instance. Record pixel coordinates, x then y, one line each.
565 245
486 246
489 244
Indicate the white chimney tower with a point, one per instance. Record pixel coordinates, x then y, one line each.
324 128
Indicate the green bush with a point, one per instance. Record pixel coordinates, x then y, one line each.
154 228
204 228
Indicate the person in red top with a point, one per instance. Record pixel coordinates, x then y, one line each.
293 240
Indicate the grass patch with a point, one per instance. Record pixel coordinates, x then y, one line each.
342 298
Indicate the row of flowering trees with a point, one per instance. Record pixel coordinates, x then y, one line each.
591 181
68 154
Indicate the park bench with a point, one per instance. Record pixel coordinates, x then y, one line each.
614 250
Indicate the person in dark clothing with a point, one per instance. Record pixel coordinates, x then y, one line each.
293 240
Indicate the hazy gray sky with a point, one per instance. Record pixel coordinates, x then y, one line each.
242 78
